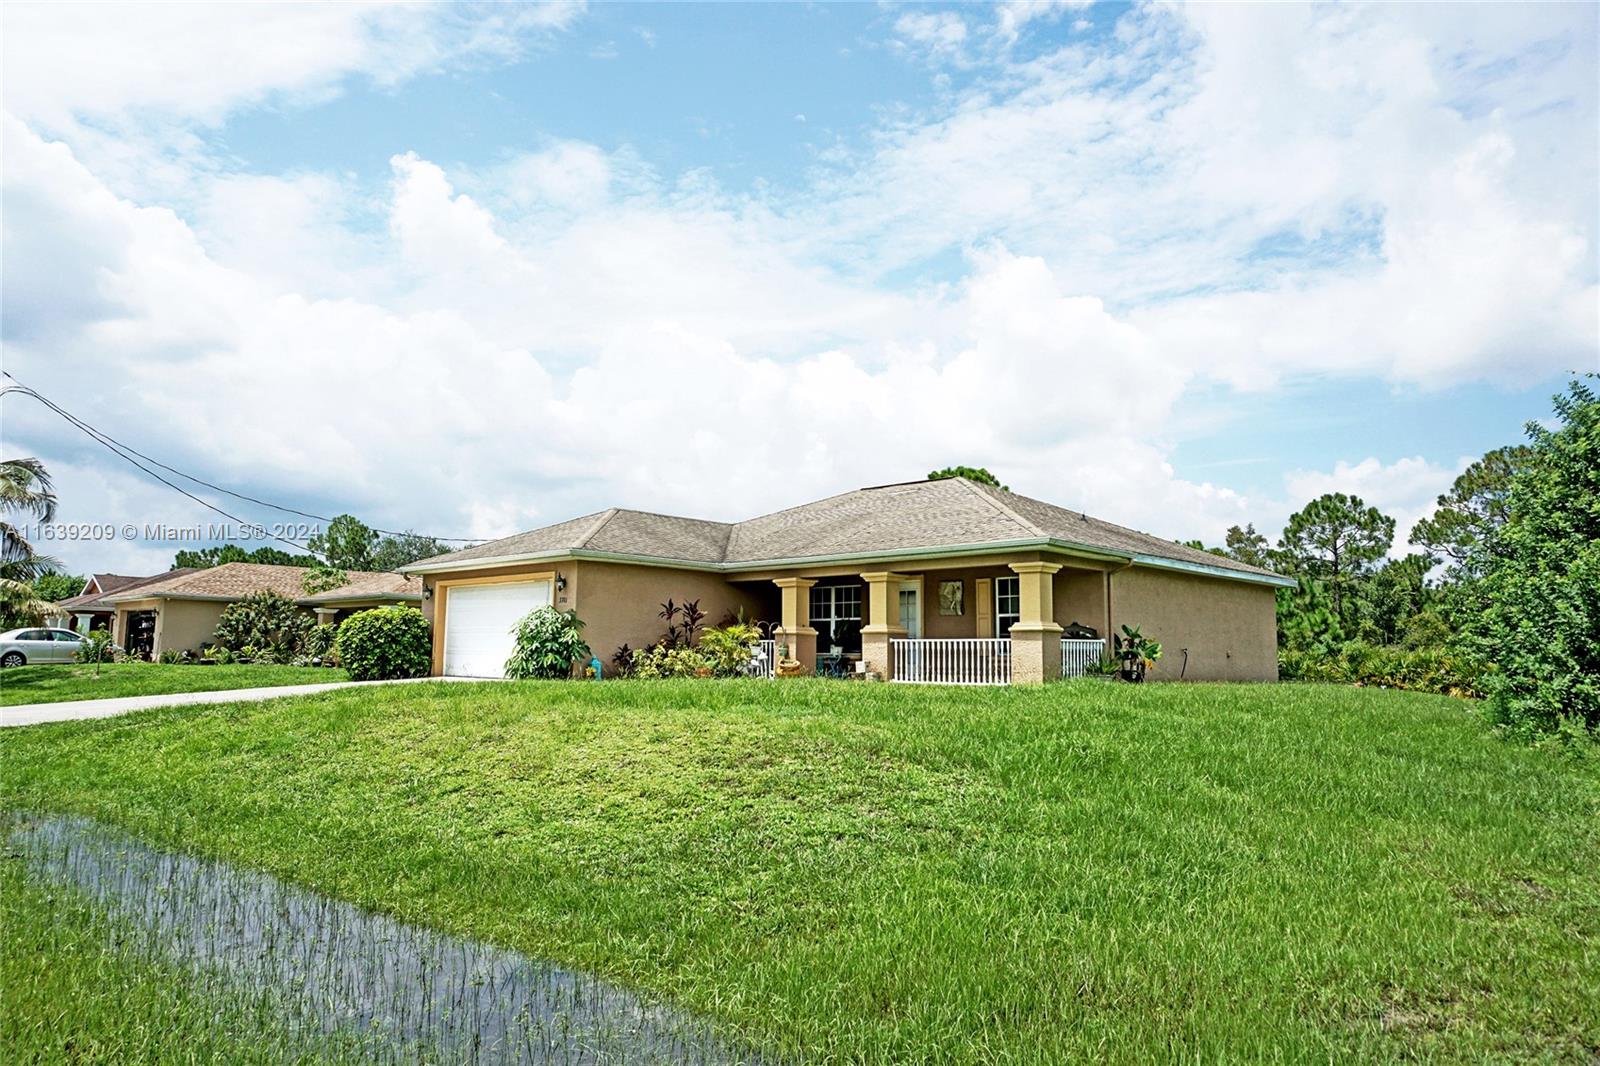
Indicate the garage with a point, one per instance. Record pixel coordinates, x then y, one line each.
478 620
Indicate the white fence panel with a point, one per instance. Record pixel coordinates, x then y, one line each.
1077 655
764 659
951 661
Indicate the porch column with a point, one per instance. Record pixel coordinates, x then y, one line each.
1035 636
325 615
83 621
883 613
796 631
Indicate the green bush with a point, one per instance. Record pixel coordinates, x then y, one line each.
548 643
319 642
96 648
385 643
664 660
268 623
1438 670
727 650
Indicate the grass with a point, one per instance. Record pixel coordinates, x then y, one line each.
857 873
56 683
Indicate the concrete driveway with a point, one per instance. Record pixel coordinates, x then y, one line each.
77 710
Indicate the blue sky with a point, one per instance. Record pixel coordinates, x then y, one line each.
473 269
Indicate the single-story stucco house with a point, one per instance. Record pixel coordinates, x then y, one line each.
90 609
946 580
179 610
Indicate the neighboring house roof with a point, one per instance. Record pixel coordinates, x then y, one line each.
112 585
917 517
234 581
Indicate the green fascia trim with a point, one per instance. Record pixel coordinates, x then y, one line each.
1276 580
948 551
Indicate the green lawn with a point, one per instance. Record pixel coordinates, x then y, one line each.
53 684
878 873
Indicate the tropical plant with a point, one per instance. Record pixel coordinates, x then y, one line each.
269 623
1133 642
971 473
25 489
728 650
385 643
319 642
684 621
96 648
622 661
666 660
548 642
1533 617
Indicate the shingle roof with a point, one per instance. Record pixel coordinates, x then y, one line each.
237 580
921 515
113 585
617 530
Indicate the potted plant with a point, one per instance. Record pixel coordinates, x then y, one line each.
1136 652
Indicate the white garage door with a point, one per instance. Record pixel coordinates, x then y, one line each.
478 620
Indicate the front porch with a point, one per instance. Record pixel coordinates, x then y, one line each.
990 621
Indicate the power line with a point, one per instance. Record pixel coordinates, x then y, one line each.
127 454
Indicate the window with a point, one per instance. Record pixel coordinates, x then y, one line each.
1007 604
836 616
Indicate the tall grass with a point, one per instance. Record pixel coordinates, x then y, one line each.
876 873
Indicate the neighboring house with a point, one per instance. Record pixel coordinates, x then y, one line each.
91 609
943 580
179 610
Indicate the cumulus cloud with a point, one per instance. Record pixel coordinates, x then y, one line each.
1405 489
474 350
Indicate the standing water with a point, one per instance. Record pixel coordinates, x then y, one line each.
404 993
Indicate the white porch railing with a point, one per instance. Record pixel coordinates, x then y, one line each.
966 661
764 659
1079 655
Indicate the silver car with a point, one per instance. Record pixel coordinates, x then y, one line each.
23 646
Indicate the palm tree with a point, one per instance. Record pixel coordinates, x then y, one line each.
25 488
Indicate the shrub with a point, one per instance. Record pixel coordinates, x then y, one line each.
319 642
664 660
385 643
622 661
170 657
96 648
266 621
548 643
728 650
219 655
1437 670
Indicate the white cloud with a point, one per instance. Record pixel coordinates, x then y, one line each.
64 62
568 328
940 34
1405 490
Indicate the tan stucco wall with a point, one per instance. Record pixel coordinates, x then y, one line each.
1229 627
619 603
186 625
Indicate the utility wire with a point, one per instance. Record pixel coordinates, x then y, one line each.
126 452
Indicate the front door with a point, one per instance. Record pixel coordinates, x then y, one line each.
911 609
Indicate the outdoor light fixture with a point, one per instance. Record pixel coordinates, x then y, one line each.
561 583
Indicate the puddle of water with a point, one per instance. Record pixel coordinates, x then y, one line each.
406 993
